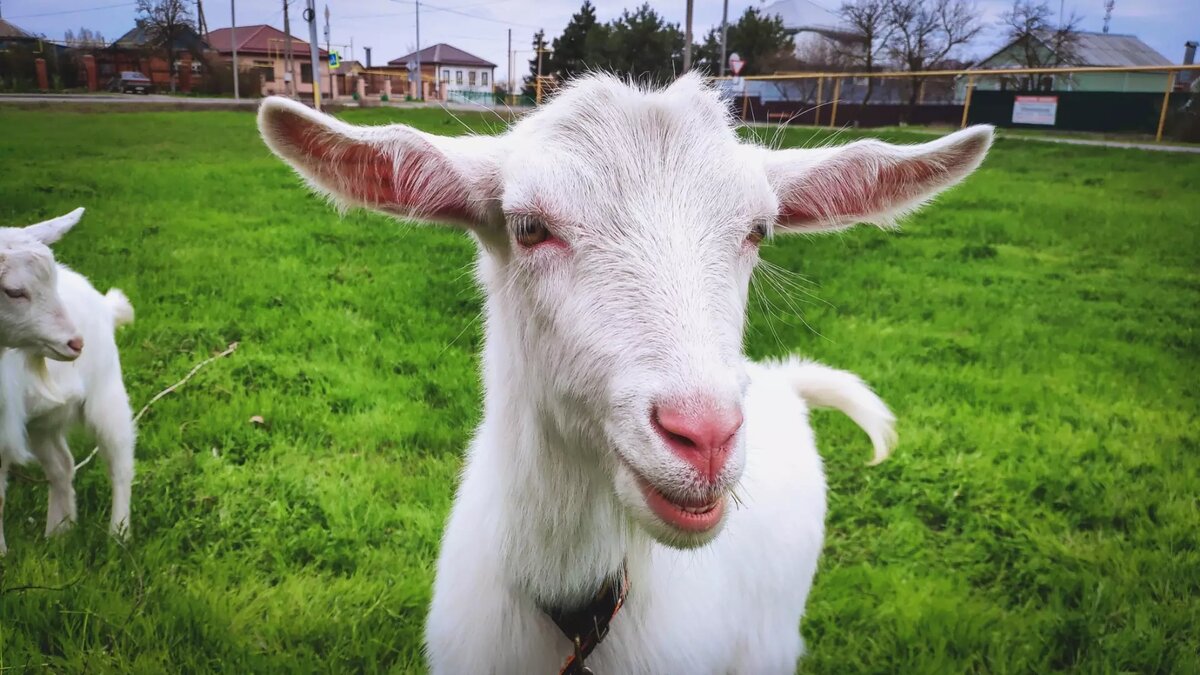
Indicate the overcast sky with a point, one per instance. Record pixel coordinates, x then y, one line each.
481 26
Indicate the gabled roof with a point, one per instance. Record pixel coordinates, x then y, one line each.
138 37
259 39
443 53
1102 49
8 30
806 16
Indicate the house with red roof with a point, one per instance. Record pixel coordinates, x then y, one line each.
261 51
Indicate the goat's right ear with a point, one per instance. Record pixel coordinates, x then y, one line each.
52 230
395 169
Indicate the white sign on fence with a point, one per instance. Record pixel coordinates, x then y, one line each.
1035 110
736 64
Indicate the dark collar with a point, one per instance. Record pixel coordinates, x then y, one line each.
586 626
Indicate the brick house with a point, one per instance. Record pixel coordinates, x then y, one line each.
261 50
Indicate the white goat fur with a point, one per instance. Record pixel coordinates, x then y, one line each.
640 296
46 389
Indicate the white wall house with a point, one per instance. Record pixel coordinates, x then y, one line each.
453 74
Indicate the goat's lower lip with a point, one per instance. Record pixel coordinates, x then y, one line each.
686 517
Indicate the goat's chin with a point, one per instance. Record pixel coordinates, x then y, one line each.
631 492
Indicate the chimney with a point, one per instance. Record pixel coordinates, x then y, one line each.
1185 77
368 56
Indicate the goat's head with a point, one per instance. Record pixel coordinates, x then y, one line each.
32 316
620 229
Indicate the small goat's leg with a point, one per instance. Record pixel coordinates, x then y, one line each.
59 465
3 495
110 418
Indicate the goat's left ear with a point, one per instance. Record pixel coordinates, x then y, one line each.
52 230
395 169
868 181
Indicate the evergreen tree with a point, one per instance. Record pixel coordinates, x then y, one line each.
575 51
641 45
760 39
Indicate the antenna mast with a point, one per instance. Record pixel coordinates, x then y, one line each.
1108 8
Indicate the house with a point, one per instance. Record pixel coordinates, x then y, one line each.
20 52
261 51
1086 49
135 51
451 74
374 80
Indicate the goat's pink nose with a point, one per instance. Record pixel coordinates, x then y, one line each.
75 344
701 434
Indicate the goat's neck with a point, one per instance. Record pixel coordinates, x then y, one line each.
561 530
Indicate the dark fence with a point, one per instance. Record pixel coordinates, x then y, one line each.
1079 110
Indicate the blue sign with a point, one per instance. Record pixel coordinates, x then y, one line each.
335 59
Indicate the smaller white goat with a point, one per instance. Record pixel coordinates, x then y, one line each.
48 382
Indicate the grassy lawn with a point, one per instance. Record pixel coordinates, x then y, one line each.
1035 331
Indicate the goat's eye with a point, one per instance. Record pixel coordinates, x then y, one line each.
529 231
15 293
757 234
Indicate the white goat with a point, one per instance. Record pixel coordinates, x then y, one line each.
49 382
617 230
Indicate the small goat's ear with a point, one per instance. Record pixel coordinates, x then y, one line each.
395 168
868 181
52 230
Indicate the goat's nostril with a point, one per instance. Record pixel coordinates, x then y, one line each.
686 430
76 344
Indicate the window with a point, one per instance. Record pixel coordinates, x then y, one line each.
306 73
266 69
484 82
458 77
446 75
471 78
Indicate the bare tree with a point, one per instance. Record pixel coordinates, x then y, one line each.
925 32
870 20
85 38
1037 41
166 22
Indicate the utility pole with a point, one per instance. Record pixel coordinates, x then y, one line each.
288 68
328 47
687 40
237 96
420 81
510 67
724 34
310 15
537 99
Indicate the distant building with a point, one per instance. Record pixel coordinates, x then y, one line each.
1087 49
134 51
451 74
261 49
11 35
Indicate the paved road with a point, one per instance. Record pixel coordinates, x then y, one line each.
160 101
123 99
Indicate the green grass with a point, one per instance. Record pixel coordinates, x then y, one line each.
1035 331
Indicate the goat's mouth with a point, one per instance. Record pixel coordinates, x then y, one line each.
61 352
690 515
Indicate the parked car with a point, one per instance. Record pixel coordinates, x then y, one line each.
131 82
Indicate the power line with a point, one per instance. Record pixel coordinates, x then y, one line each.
73 11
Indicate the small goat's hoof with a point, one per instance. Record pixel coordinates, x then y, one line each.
61 528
